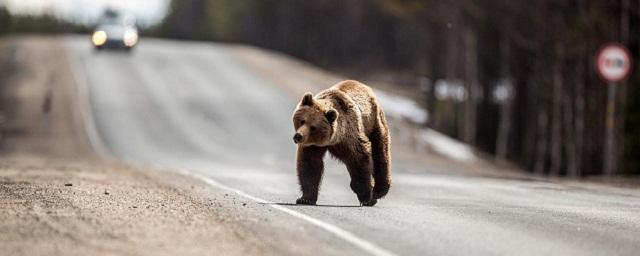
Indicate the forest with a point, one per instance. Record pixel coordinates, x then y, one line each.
46 23
522 72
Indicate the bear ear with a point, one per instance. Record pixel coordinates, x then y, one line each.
307 99
331 115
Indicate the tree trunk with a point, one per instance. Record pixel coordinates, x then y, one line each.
531 125
578 122
569 130
542 118
622 92
506 107
556 116
471 77
447 113
541 145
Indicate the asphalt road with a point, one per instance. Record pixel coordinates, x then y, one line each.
196 109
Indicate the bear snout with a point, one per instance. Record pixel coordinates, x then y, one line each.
297 138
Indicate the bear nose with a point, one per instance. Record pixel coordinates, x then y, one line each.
297 138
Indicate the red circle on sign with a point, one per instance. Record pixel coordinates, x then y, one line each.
613 62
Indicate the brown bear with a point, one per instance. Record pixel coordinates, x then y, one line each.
347 121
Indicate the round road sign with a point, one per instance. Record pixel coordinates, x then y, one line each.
613 62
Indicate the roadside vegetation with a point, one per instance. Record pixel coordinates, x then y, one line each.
42 24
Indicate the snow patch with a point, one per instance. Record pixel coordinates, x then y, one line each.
447 146
402 108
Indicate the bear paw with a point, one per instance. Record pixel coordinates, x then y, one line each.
379 191
365 197
305 201
371 202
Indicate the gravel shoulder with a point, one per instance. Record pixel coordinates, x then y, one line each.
58 198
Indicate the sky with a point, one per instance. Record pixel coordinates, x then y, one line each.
86 11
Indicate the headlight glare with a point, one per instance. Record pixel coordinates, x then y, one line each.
99 38
130 38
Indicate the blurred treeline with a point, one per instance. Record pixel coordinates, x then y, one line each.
523 70
46 23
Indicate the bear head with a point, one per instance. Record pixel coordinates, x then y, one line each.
314 121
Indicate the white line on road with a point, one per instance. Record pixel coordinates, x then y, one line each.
341 233
82 84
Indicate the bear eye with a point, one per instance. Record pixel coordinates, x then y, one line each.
302 122
313 128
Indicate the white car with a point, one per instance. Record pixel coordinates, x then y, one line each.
115 31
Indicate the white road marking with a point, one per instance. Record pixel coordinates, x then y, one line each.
82 84
341 233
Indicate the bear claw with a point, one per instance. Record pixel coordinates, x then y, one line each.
305 201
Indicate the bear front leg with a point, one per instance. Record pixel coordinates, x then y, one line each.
310 168
360 169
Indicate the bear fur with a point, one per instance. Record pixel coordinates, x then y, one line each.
347 121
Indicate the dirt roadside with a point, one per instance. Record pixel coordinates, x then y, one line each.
58 198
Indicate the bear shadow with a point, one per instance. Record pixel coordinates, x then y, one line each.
317 205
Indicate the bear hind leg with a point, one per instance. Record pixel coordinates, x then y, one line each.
380 150
360 169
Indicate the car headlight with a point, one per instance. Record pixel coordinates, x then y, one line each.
130 38
99 38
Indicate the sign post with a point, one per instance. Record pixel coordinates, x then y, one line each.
613 63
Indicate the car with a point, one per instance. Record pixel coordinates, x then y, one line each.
115 31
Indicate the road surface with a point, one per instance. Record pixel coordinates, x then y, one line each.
197 109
